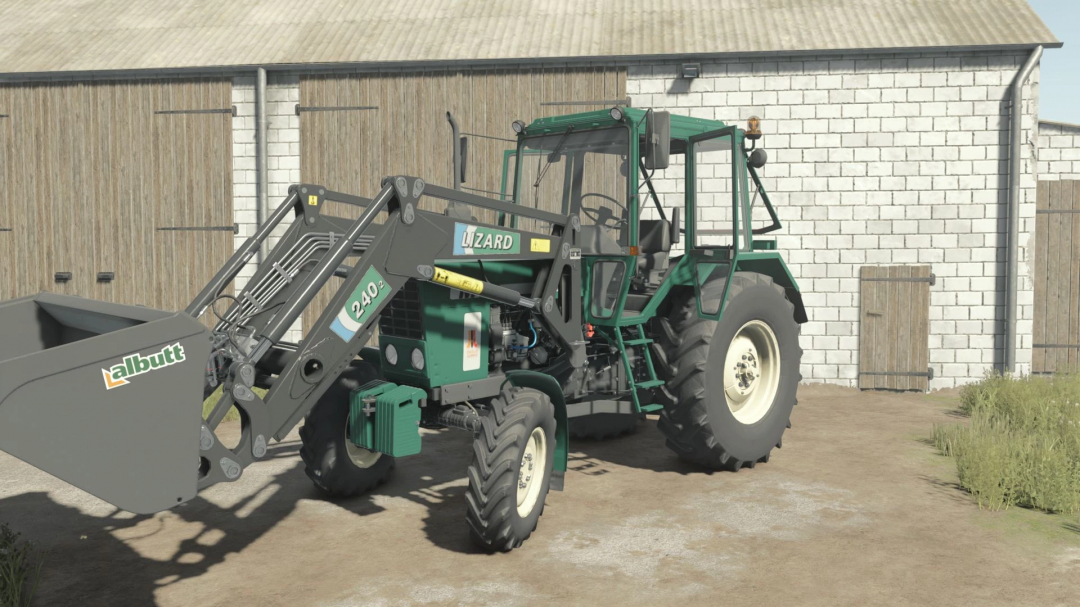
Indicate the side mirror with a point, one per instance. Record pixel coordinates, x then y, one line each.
758 158
463 154
657 140
676 225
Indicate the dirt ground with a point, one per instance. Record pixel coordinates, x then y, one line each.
856 509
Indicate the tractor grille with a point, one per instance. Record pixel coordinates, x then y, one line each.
401 317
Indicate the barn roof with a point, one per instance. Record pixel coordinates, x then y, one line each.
39 36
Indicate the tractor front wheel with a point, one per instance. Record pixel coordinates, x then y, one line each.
331 460
734 379
513 455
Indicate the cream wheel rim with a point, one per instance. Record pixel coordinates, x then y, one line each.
359 456
531 471
752 372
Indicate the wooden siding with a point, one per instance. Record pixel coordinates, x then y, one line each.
91 172
1056 277
352 150
894 328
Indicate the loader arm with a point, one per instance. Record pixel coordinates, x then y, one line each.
408 245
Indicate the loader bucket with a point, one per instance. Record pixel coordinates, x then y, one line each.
104 396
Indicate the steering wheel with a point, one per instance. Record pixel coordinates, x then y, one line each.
604 216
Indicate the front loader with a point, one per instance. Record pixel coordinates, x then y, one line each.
515 319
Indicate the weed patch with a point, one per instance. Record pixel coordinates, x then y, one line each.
1021 446
19 569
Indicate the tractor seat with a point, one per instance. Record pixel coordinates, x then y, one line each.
654 245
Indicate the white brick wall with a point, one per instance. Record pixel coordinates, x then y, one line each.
283 159
895 159
1059 152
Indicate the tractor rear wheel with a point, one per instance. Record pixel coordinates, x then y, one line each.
600 426
513 455
331 460
734 380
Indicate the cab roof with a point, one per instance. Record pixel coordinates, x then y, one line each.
682 127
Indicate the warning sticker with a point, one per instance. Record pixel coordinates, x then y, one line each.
470 360
540 245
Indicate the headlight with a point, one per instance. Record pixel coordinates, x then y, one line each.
616 113
417 359
390 353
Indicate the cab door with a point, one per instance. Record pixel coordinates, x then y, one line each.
717 203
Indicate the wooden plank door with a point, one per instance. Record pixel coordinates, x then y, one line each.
1056 277
894 328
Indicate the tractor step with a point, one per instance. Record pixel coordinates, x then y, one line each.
652 408
640 341
651 383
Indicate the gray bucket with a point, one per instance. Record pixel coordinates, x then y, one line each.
104 396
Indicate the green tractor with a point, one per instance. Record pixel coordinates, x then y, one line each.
555 309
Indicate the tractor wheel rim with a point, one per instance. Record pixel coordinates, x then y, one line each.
359 456
531 471
752 372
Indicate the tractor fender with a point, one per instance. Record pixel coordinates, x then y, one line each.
523 378
773 266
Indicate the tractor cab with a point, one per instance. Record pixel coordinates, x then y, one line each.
633 178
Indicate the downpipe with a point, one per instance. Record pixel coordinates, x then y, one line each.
261 151
1016 117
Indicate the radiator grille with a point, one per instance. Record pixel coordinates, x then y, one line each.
401 317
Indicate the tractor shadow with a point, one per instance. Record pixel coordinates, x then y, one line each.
89 560
644 449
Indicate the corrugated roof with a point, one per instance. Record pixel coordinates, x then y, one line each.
93 35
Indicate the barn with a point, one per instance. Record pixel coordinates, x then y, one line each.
931 220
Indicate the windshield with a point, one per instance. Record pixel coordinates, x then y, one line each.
584 171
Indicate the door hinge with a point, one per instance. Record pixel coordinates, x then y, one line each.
234 228
334 108
928 374
227 110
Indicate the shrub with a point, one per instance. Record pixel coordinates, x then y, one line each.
18 570
1022 445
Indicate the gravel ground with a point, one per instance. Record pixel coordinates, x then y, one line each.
856 509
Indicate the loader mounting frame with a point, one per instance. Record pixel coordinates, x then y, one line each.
407 246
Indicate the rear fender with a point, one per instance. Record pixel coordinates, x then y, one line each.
772 265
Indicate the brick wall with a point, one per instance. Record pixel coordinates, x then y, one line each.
896 159
1059 151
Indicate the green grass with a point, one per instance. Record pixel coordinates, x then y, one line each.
233 414
1021 446
19 569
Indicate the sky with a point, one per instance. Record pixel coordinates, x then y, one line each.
1059 80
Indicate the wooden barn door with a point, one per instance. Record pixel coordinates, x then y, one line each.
1056 330
357 128
96 176
894 328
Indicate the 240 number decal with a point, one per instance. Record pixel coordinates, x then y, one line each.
367 296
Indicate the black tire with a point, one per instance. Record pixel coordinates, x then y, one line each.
325 453
495 523
699 426
600 426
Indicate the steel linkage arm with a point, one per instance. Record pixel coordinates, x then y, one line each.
240 258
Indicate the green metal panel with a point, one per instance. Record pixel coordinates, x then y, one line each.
393 427
455 344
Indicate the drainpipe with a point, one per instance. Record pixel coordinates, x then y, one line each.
260 156
1016 117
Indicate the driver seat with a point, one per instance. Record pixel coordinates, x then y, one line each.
654 247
